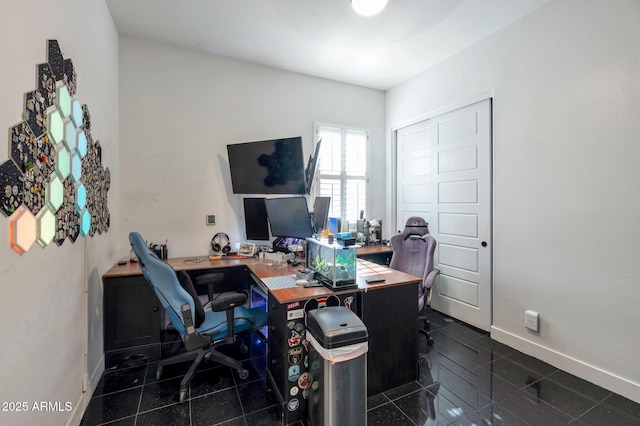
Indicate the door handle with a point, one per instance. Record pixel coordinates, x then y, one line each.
483 244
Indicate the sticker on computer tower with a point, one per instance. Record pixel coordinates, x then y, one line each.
295 314
348 301
305 380
295 355
295 339
294 373
293 404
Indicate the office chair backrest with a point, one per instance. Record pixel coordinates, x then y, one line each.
413 251
163 280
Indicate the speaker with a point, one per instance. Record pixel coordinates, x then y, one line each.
220 243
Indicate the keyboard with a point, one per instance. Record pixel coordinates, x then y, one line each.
277 283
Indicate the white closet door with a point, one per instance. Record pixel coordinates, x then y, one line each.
453 193
413 173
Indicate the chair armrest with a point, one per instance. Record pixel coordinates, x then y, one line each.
228 301
428 282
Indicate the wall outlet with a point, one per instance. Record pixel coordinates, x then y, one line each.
210 219
531 320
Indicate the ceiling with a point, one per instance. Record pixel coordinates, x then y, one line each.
323 38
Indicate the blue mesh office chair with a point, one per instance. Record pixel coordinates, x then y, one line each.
202 328
413 251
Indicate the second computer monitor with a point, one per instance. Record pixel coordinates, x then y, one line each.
255 219
289 217
321 212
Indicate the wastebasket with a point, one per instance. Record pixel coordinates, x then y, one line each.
338 367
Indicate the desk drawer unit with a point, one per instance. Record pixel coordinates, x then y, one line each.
288 357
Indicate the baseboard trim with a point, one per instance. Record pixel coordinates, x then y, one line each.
83 401
96 375
585 371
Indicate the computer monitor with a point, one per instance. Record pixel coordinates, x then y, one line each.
289 217
255 219
334 225
321 212
312 167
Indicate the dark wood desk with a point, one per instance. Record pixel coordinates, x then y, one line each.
135 321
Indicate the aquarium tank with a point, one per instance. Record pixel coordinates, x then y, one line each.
335 265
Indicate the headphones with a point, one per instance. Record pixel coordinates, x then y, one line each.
217 243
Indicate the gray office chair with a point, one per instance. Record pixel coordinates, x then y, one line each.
413 251
202 328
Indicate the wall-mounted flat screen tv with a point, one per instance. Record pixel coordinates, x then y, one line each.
267 167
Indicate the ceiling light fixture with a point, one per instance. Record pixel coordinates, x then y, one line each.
368 7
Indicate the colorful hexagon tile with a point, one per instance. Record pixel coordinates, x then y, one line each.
70 135
55 124
46 227
76 113
63 162
22 230
81 197
76 167
54 193
81 144
85 222
63 99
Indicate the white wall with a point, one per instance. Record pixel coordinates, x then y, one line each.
566 154
179 109
43 305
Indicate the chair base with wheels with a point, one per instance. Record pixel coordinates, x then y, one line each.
425 329
197 357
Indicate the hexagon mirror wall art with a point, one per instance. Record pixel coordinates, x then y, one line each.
53 187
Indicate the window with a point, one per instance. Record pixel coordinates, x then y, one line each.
342 170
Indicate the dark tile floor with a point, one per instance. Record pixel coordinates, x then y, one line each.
465 379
